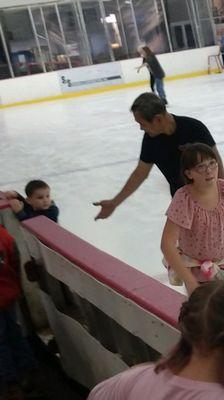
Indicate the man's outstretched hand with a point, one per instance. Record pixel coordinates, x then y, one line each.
107 208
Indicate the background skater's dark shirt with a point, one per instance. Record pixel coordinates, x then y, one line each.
165 150
154 66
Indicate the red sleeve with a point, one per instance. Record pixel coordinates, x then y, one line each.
10 248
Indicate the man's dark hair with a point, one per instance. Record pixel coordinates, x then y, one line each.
148 105
34 185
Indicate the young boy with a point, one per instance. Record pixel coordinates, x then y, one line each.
37 202
16 357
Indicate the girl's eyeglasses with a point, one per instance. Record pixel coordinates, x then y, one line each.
202 168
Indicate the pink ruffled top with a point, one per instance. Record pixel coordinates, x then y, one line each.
141 382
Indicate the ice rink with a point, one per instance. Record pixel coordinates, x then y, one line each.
86 147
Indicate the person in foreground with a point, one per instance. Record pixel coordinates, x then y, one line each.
195 220
37 202
16 357
194 370
165 136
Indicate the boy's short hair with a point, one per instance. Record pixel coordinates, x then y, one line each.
148 105
34 185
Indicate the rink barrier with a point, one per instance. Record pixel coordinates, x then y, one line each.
105 314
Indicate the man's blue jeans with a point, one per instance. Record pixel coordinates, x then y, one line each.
16 355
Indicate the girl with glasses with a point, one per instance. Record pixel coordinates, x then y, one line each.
193 236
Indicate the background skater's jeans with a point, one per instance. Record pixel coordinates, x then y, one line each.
16 355
160 88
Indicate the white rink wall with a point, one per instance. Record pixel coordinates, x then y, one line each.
29 87
41 86
174 64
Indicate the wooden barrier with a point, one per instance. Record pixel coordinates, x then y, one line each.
105 314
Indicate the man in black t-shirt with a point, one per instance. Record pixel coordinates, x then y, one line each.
164 150
164 139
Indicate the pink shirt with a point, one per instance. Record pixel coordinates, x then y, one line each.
142 383
201 230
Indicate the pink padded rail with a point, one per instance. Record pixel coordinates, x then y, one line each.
129 282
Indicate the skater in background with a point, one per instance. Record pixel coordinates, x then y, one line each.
156 72
151 76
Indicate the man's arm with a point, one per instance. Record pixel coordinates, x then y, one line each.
138 176
220 163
